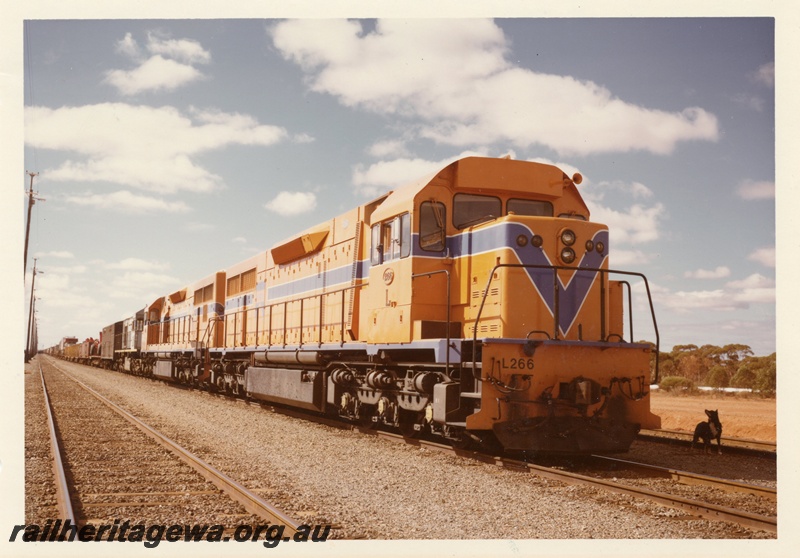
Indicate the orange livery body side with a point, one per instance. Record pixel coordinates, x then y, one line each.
476 304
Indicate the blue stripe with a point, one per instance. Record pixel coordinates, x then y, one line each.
329 279
503 236
572 295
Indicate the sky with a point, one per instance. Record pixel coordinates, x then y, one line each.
169 149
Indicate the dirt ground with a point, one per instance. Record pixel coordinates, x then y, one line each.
753 419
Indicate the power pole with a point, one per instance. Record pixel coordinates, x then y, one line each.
28 351
31 201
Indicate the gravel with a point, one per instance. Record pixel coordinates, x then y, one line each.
369 488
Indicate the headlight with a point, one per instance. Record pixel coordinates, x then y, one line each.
568 237
537 241
567 255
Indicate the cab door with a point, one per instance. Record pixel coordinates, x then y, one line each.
389 294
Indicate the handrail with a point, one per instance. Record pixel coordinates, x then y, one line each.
267 328
555 268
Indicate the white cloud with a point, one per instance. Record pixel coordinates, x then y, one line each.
388 148
292 203
764 256
685 302
188 50
623 258
635 189
751 102
61 254
170 65
455 77
124 201
139 146
755 288
383 176
735 295
240 240
756 190
128 46
155 74
136 264
717 273
70 270
637 225
765 74
140 284
303 138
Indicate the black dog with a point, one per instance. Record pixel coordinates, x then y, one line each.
707 431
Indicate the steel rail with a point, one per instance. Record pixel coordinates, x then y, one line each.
686 477
63 499
250 501
693 507
760 447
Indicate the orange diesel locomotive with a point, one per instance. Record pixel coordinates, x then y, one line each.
475 304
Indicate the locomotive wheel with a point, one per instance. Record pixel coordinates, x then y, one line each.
408 420
463 442
364 414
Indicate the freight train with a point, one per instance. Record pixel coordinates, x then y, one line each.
475 304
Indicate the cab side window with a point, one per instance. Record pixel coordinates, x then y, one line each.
391 239
432 219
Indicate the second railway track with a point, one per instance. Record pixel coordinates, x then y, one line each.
117 469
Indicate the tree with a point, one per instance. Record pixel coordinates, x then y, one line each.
717 377
745 376
767 376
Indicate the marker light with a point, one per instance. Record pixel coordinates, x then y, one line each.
568 237
589 245
537 241
600 247
522 240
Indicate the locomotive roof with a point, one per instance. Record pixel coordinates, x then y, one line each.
486 174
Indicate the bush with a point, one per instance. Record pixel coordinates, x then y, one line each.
676 383
717 377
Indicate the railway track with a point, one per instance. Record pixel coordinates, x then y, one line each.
112 467
739 445
698 508
694 507
688 507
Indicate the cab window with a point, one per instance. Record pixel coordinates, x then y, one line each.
532 208
471 209
391 239
432 219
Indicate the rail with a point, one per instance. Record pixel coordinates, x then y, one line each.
62 490
250 501
556 310
696 508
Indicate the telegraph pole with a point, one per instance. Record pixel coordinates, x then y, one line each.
28 351
31 201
